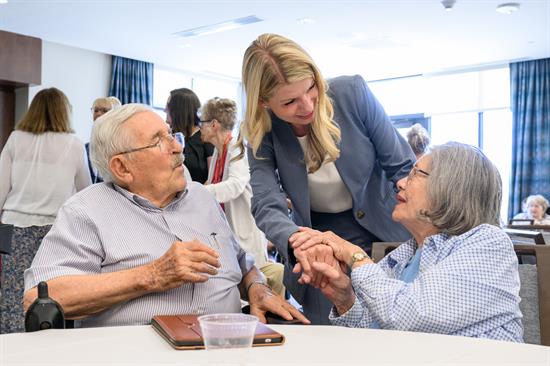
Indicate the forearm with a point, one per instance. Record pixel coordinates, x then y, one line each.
84 295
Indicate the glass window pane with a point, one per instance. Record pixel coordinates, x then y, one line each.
460 127
165 81
400 96
452 93
497 145
495 89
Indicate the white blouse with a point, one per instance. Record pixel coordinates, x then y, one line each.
327 191
38 173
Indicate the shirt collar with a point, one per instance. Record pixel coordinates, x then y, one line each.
144 202
407 249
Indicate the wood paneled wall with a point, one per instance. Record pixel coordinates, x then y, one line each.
20 66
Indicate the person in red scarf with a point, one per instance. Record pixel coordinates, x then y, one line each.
229 181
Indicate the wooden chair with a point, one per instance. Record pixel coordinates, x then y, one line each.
381 249
535 278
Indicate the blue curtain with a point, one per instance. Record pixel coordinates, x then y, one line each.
530 101
132 81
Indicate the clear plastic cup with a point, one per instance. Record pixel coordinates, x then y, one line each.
228 330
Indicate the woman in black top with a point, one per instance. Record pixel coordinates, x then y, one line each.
181 113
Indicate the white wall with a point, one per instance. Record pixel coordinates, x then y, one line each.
81 74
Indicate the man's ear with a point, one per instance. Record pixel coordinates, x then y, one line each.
120 170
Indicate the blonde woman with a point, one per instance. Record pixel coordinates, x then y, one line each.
99 108
41 166
534 208
229 181
330 147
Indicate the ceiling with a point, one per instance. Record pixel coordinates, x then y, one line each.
375 38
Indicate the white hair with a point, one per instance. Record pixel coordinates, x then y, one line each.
110 138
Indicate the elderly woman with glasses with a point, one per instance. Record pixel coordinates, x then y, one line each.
457 275
229 181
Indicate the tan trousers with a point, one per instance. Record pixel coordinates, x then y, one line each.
274 272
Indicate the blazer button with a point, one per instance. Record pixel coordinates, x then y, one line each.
360 214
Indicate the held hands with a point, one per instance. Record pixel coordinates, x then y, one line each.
183 262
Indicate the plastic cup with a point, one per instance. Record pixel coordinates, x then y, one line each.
228 330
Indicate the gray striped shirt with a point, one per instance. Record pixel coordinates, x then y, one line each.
105 228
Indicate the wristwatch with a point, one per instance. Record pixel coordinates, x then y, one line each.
357 256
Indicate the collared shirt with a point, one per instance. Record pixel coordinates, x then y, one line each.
467 285
106 229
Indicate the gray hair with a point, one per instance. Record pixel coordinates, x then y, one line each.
419 139
464 189
109 137
537 199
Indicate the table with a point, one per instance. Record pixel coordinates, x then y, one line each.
305 345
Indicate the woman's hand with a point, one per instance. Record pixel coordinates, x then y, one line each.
342 249
338 288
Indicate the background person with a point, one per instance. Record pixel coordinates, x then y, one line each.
229 181
457 275
534 208
99 108
145 242
182 114
419 139
41 166
332 149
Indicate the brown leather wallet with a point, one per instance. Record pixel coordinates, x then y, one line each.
184 332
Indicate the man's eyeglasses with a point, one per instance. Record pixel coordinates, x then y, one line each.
415 171
164 143
202 123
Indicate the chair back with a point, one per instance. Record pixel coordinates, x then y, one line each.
381 249
525 236
535 293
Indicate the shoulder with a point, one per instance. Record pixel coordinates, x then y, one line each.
521 215
348 83
484 236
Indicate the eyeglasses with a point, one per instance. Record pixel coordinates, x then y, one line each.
202 123
101 110
164 143
414 172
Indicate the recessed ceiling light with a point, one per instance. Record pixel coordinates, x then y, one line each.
305 20
218 27
508 8
3 1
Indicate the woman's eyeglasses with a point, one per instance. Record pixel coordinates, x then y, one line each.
415 171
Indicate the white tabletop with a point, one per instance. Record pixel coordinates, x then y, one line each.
305 345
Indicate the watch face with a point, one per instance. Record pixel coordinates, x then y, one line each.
359 256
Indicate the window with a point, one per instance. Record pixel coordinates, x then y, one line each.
166 80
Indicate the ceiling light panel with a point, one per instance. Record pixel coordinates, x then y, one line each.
218 27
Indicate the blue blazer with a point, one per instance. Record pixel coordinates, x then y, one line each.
373 157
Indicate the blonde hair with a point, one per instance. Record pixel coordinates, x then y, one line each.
49 111
111 102
270 61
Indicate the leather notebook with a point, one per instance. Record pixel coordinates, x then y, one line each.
184 332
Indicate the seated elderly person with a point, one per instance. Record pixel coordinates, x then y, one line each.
457 275
535 209
145 242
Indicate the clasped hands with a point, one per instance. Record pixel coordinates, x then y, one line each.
322 259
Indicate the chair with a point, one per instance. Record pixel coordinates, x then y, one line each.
525 236
381 249
521 222
535 293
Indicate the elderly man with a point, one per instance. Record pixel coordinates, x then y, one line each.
145 242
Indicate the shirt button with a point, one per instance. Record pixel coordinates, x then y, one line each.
360 214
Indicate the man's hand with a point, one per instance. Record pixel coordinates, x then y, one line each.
262 300
183 262
338 289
